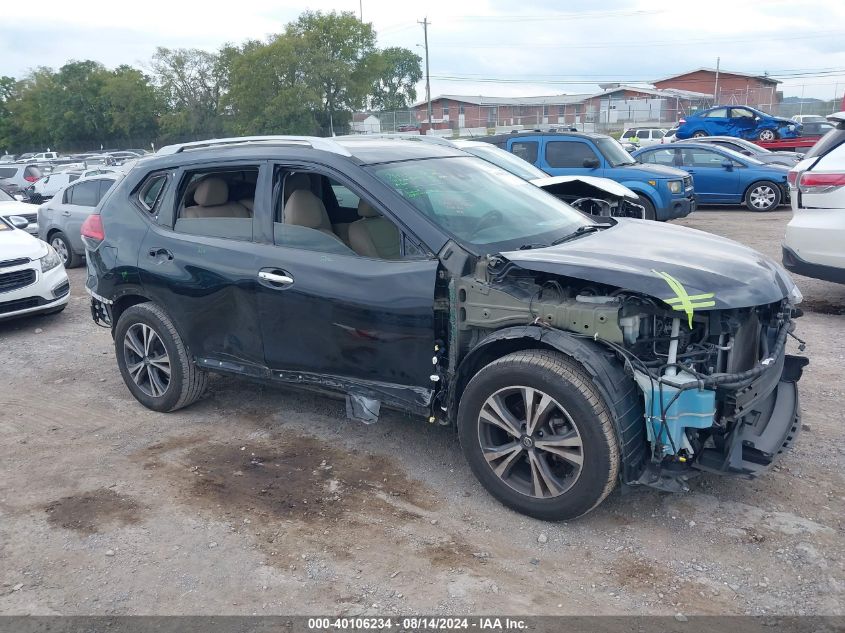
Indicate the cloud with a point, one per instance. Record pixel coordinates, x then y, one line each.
548 46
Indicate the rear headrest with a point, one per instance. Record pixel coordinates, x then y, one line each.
305 209
211 192
366 210
297 181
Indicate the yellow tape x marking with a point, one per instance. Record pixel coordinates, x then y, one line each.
682 301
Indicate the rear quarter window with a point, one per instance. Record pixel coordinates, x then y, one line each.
8 172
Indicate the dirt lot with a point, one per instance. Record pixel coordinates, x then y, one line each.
268 501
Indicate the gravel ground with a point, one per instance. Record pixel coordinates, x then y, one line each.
268 501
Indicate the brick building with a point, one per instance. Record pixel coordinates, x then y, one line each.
464 111
734 87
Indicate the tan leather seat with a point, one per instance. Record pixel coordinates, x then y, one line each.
295 182
374 235
249 203
303 208
212 198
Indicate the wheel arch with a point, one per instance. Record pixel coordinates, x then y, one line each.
618 389
124 302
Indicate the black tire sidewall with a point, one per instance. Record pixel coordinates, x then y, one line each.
650 212
140 314
760 183
591 485
72 258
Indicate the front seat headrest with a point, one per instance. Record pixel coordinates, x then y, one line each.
212 192
305 209
366 210
297 181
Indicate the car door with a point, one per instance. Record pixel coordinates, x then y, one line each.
716 122
198 260
713 182
333 318
570 157
742 122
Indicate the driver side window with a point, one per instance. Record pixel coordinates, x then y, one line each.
315 212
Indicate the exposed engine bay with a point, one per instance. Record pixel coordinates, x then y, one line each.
595 196
716 383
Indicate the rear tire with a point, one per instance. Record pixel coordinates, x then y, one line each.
154 362
762 196
699 134
61 244
570 460
648 208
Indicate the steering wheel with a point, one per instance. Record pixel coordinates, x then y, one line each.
488 219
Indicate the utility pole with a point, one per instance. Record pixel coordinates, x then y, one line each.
361 10
425 24
716 87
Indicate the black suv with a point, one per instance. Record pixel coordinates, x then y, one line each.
570 352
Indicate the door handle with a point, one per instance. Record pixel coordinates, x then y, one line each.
281 278
161 253
66 213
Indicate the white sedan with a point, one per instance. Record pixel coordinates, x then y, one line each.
32 278
815 237
10 206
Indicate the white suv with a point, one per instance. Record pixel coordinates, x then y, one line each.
815 237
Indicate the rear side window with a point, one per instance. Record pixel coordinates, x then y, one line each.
718 113
85 194
150 192
828 142
568 153
8 172
526 150
72 178
105 185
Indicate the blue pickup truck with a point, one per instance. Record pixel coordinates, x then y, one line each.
665 192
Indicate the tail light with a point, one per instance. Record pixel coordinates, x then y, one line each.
792 178
819 182
30 178
681 121
92 231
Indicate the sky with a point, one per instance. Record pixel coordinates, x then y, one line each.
477 47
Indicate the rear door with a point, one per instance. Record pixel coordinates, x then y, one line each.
713 182
570 157
716 122
198 260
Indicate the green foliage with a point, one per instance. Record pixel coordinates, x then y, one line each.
309 79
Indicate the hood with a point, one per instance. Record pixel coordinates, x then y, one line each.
15 207
605 184
630 255
15 244
652 171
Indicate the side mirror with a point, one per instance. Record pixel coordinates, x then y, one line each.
591 163
18 222
728 165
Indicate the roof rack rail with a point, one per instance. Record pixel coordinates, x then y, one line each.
410 136
315 142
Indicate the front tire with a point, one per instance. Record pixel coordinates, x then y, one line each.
61 244
762 196
538 435
699 134
767 135
153 360
648 208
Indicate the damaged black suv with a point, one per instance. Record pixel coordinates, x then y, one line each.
570 352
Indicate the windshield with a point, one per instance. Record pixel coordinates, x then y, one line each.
613 152
481 204
507 161
5 197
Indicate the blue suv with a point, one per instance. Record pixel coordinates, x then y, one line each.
665 192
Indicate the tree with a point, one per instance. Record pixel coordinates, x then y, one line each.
132 104
76 112
397 72
8 94
267 93
332 48
190 80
